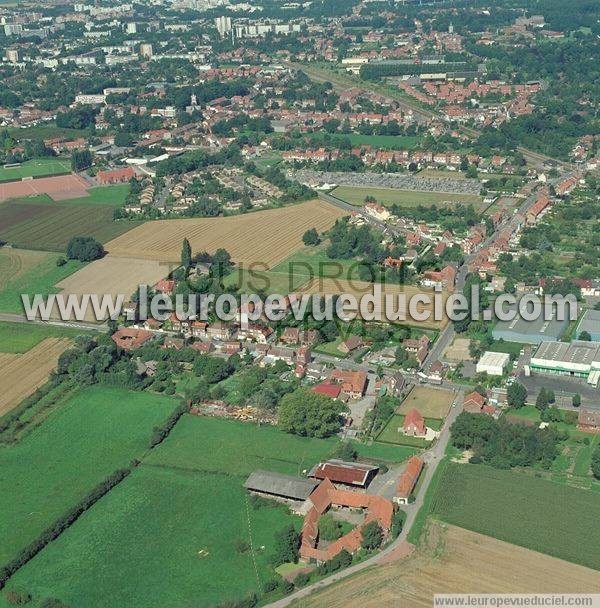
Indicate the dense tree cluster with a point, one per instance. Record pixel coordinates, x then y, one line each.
84 249
504 445
309 414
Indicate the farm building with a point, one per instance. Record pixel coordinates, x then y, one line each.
493 364
345 473
116 176
324 497
280 486
531 332
589 422
578 359
408 480
128 338
590 323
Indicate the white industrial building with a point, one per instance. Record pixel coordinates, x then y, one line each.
576 359
493 364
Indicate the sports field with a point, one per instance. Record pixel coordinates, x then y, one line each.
454 560
94 433
36 167
522 509
405 198
58 187
35 224
22 374
265 236
37 273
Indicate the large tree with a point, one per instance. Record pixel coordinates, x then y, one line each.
516 395
306 413
186 254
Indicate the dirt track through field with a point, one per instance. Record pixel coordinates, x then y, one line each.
21 375
454 560
262 237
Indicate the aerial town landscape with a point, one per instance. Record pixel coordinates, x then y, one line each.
264 452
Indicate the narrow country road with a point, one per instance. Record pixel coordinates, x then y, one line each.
432 457
17 318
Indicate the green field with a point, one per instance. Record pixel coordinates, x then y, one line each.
187 497
237 448
39 279
36 167
161 538
522 509
40 223
406 198
96 431
20 337
113 195
385 142
390 434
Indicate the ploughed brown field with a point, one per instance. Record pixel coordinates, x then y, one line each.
21 375
381 308
265 237
453 560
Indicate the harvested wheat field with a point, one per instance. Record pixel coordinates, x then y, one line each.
429 401
360 288
15 262
113 276
21 375
264 236
453 560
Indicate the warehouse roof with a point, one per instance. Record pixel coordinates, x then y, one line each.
279 484
539 328
575 353
494 359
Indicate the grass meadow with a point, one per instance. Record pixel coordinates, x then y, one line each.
522 509
19 338
40 278
95 432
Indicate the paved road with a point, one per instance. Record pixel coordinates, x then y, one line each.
432 457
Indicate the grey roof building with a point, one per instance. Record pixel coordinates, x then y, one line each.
531 332
590 322
280 485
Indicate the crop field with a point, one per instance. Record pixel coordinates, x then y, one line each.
18 338
429 402
444 564
38 274
16 262
382 310
58 187
264 237
40 225
292 273
23 374
112 275
36 167
528 511
405 198
96 431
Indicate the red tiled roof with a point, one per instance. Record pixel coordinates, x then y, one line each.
128 338
341 472
408 479
329 389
